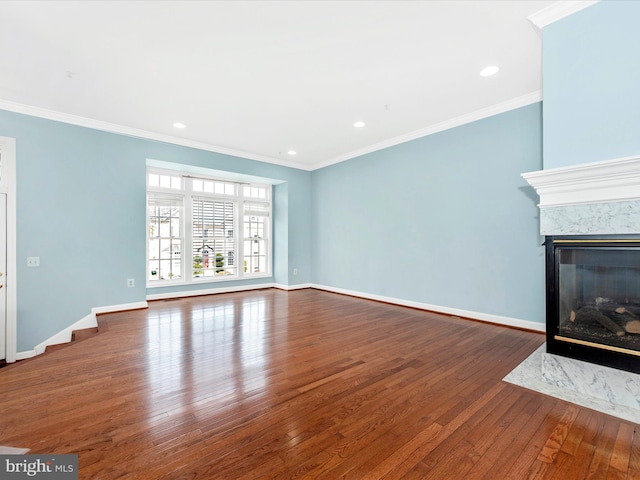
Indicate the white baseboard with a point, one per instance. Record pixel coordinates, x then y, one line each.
484 317
26 354
239 288
88 321
288 288
209 291
123 307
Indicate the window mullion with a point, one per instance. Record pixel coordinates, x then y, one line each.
188 236
240 238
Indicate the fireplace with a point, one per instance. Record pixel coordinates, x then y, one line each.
590 219
593 299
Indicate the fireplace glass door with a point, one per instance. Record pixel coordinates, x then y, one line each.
595 304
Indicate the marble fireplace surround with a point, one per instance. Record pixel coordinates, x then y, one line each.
591 199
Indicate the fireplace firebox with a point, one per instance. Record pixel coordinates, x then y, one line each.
593 299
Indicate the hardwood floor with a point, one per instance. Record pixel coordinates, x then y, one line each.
306 384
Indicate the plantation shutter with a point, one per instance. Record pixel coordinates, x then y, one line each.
214 241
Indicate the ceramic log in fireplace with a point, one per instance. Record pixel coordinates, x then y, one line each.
593 299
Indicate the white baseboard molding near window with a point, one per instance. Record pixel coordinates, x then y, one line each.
209 291
237 288
89 321
484 317
288 288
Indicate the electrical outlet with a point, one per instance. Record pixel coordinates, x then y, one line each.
131 282
33 261
295 271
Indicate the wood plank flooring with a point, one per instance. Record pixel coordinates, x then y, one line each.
305 384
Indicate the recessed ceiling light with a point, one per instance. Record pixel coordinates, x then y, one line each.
359 124
179 125
488 71
292 152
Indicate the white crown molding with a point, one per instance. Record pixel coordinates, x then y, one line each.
502 107
496 109
598 182
138 133
558 11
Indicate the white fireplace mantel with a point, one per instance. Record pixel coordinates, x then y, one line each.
600 182
600 198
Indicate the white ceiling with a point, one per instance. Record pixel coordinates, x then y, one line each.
259 78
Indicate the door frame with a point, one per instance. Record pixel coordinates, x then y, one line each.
8 187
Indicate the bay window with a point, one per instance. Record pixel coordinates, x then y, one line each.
202 229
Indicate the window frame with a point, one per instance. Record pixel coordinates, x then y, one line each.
187 195
155 199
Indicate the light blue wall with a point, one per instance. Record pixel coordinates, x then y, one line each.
81 209
444 220
591 85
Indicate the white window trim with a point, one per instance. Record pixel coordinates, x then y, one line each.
187 194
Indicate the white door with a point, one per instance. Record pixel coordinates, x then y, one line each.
3 273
